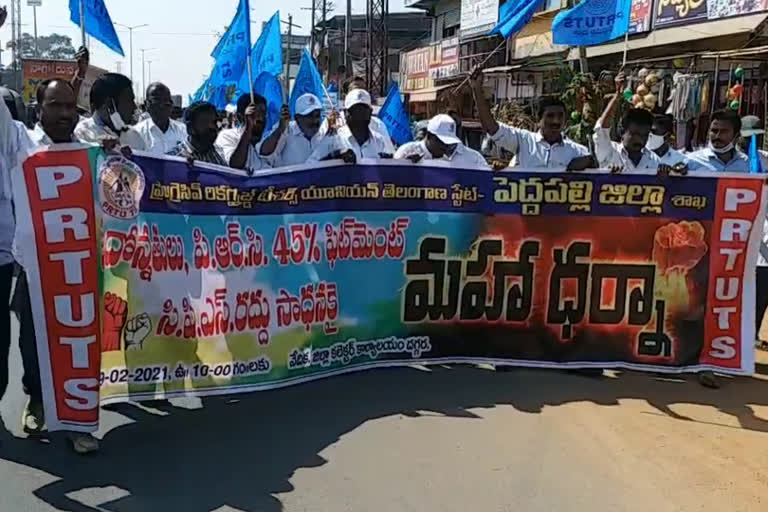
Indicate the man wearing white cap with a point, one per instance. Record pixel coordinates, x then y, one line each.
356 137
442 143
300 137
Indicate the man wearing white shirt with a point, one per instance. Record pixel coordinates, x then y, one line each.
240 146
159 132
358 139
546 148
58 118
631 154
376 124
721 155
442 143
114 107
658 142
300 137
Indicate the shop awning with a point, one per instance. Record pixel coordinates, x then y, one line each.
426 95
675 36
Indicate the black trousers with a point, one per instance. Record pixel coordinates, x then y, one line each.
22 306
761 297
6 279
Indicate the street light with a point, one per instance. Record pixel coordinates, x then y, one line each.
149 72
143 76
130 37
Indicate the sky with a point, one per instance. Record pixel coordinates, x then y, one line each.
179 38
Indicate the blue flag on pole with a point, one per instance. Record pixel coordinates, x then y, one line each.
98 24
514 15
395 117
755 165
268 86
267 53
308 80
231 53
592 22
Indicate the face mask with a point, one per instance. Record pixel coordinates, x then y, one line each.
117 120
654 142
722 150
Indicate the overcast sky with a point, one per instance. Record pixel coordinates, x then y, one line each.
180 31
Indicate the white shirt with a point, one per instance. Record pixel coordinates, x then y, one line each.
344 140
614 154
92 130
532 151
462 158
13 140
673 157
157 141
707 160
228 141
293 148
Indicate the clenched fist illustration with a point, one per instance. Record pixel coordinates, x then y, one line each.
136 331
115 314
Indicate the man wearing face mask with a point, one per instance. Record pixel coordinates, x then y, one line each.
631 154
299 138
658 142
442 143
202 129
721 155
241 146
159 132
114 110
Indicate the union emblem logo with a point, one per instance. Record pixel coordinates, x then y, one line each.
121 185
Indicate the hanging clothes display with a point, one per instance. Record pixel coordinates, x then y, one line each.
688 95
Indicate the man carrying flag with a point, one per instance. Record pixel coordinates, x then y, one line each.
442 143
299 138
240 146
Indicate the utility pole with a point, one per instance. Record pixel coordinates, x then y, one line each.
130 39
347 37
149 72
143 76
287 60
35 4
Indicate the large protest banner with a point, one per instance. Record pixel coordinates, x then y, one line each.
150 279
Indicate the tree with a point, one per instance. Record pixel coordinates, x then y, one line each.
53 46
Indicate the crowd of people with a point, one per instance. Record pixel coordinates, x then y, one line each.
350 135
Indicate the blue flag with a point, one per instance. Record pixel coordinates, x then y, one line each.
231 52
755 165
267 53
268 86
395 117
514 15
592 22
308 80
98 24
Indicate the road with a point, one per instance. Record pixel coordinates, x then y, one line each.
441 439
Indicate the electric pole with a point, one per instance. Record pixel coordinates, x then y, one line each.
287 78
130 39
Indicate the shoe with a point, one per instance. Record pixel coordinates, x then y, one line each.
33 418
708 380
83 443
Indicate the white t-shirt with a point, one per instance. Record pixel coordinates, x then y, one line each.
293 148
613 154
462 158
157 141
344 140
227 143
92 130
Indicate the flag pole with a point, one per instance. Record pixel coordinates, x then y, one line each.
82 21
626 47
250 66
483 63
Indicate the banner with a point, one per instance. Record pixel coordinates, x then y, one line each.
640 16
592 22
678 12
201 281
717 9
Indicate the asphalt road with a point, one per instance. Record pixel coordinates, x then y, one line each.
445 439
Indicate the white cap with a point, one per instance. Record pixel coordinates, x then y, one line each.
357 97
444 128
306 104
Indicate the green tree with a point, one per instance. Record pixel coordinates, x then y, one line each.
53 46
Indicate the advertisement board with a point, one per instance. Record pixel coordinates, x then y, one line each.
35 71
717 9
678 12
640 16
445 59
417 69
478 16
